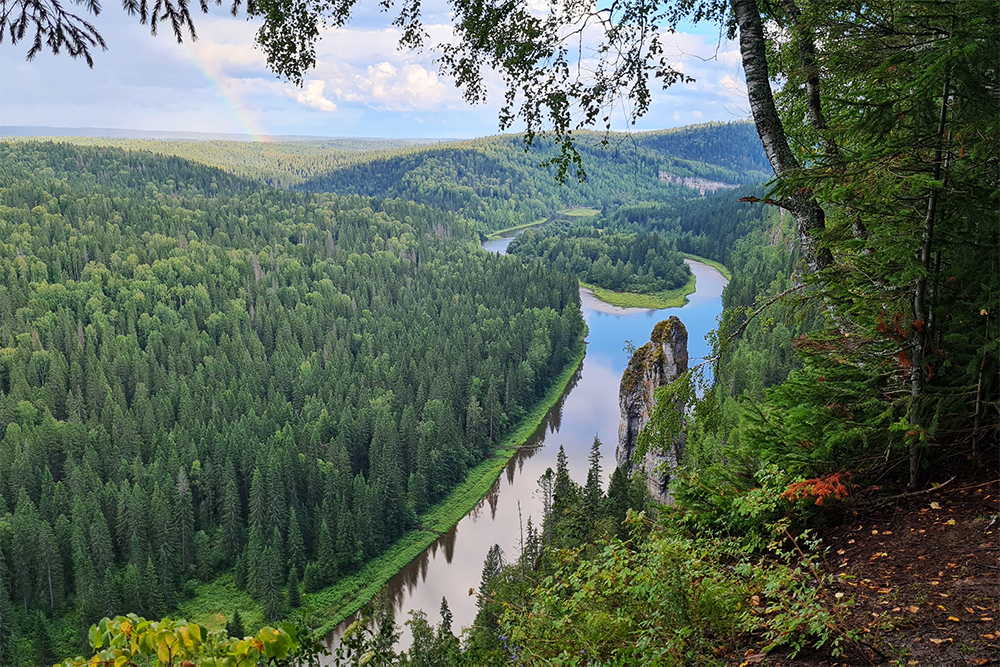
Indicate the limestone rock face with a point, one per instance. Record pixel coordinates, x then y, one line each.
655 364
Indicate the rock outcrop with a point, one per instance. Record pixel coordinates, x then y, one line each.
702 185
657 363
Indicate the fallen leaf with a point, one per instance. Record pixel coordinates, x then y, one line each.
850 541
913 609
840 552
935 506
952 618
884 591
874 532
986 619
949 522
941 641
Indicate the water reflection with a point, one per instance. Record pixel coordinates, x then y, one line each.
587 409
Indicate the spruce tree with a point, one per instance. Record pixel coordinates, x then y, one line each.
234 627
592 492
295 545
294 600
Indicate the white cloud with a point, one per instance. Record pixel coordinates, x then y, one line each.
312 95
366 68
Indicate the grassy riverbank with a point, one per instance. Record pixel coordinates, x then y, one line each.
213 602
510 231
673 298
581 212
718 266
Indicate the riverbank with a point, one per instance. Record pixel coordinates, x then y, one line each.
510 231
674 298
213 602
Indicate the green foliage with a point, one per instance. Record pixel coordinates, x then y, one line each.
662 601
795 600
132 641
907 168
369 640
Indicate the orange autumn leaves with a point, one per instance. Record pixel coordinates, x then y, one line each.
823 488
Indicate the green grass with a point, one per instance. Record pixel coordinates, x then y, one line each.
505 233
214 602
673 298
580 212
721 268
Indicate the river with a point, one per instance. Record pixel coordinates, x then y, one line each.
588 408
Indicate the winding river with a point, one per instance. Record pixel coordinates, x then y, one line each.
589 408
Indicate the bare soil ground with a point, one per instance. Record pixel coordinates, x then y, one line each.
924 575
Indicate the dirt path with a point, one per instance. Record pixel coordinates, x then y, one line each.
924 574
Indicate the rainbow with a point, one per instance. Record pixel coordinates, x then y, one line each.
242 110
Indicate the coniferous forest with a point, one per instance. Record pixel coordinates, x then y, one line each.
203 375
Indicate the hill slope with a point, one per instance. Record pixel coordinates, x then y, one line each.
496 184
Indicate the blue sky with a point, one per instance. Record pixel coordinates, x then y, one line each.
363 85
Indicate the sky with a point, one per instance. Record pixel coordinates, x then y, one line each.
363 84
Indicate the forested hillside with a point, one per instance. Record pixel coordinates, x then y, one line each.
709 227
496 184
202 374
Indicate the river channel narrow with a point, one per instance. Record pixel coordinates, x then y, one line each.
589 408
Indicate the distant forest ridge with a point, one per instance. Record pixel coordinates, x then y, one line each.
492 181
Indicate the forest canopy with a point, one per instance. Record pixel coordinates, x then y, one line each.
202 374
638 262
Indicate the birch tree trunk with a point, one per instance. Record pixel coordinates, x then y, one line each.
809 216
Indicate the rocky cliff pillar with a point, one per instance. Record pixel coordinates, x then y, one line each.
657 363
